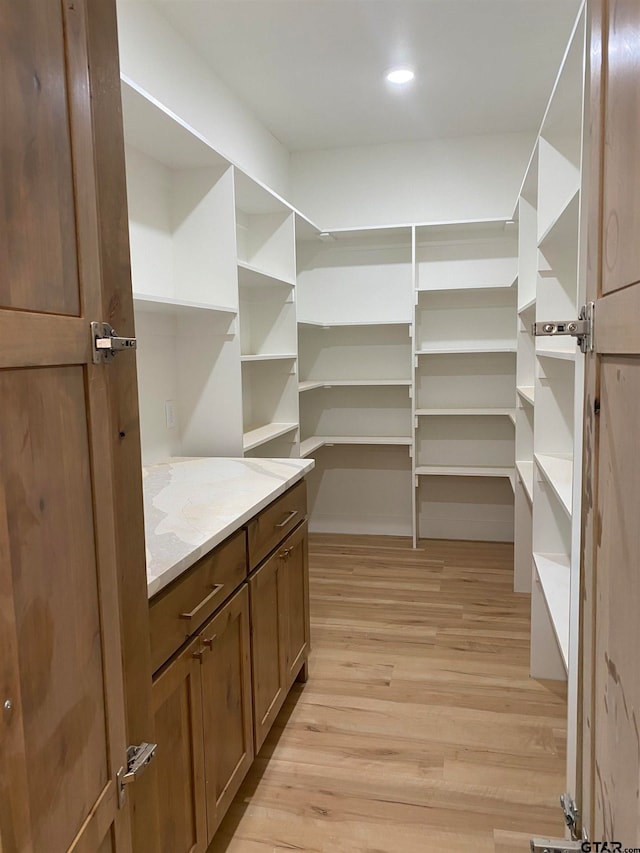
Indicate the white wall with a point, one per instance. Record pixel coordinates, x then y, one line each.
445 179
156 58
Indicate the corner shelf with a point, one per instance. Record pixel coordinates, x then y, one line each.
554 573
310 384
454 349
497 412
524 309
338 325
463 471
261 435
317 441
270 357
557 469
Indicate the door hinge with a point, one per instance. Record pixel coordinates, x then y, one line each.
106 344
554 845
581 329
138 757
571 814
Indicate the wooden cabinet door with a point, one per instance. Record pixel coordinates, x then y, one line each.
608 795
266 589
294 616
177 704
66 425
226 705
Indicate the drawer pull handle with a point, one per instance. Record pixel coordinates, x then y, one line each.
290 517
209 641
206 600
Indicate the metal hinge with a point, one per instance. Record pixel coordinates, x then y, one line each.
554 845
106 344
571 813
138 757
582 328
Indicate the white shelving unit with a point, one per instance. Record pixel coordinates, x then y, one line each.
180 194
550 377
465 307
354 299
265 239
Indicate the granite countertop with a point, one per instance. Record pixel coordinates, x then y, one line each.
191 505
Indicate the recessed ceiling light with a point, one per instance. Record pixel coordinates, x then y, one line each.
400 76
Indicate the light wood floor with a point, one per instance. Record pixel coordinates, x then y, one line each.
419 728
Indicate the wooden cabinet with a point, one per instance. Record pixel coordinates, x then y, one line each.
177 704
217 697
279 595
226 705
269 527
295 611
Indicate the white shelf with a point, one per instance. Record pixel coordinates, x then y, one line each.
499 412
525 469
168 305
563 354
527 306
557 470
554 572
315 442
289 356
455 348
255 437
251 276
463 471
527 393
308 385
331 325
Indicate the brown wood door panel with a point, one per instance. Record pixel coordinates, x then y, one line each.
295 618
621 153
177 703
609 758
268 663
617 675
38 254
56 596
62 536
226 705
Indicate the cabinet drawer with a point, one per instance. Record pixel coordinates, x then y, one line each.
273 524
177 612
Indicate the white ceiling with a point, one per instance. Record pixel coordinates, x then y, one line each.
313 70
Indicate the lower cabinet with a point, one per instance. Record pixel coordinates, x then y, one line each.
217 697
177 702
226 706
279 597
204 730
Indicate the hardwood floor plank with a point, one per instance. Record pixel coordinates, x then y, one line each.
419 730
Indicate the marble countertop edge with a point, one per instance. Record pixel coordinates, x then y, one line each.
181 496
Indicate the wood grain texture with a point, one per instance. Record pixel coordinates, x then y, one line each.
269 527
199 591
419 728
226 705
123 424
591 426
38 251
621 163
177 703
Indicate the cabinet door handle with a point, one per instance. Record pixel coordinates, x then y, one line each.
209 641
284 555
289 518
205 601
199 654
